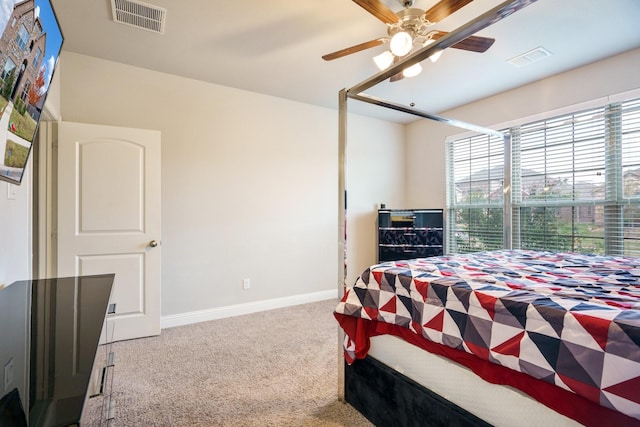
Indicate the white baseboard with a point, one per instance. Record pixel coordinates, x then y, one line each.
182 319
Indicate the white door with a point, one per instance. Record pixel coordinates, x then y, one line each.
109 218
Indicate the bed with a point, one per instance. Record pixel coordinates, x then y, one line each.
561 329
554 333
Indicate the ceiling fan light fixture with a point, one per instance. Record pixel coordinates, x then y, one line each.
384 60
401 43
412 71
435 56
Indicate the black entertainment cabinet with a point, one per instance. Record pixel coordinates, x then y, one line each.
49 359
410 233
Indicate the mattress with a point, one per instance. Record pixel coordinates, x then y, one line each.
501 406
564 328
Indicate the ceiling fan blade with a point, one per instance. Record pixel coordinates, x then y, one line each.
379 10
471 43
353 49
443 9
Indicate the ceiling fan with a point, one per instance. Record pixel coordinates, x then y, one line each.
409 30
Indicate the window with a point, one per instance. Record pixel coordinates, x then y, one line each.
36 58
575 185
628 242
476 170
8 67
560 177
22 37
25 92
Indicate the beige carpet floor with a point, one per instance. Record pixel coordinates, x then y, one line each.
274 368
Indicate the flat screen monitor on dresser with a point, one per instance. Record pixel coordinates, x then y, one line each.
30 44
49 334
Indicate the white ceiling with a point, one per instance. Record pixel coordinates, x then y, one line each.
274 47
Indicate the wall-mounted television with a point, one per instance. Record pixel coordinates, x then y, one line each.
30 44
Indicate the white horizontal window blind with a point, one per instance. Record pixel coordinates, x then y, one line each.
476 167
575 185
562 175
627 123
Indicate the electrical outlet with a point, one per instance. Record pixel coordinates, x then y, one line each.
8 375
246 283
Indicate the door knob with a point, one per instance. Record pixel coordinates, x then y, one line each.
153 243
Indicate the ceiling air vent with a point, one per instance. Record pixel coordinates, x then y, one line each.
140 15
530 57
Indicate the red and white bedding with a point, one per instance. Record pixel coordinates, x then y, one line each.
564 328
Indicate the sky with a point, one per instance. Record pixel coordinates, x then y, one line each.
47 17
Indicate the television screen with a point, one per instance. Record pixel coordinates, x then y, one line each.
29 49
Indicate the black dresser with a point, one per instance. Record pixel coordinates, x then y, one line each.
49 336
410 233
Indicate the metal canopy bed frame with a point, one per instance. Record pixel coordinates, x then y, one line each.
356 93
368 383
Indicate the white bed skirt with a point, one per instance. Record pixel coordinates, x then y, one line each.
496 404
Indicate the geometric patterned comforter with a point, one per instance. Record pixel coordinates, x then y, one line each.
571 320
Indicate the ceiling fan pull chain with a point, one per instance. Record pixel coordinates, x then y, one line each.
412 103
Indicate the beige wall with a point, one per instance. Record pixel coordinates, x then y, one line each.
15 230
249 182
425 151
375 174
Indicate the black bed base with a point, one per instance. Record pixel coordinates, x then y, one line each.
388 398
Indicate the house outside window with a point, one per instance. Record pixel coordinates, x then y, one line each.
575 185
